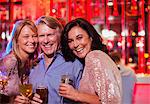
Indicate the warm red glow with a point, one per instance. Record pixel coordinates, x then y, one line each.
115 12
141 51
134 7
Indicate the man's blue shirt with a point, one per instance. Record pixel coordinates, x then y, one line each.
52 75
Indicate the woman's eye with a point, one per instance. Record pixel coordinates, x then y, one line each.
79 37
69 41
26 36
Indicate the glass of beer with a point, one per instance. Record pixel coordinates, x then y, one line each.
42 90
25 89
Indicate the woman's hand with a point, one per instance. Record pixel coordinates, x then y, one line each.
20 99
67 91
36 99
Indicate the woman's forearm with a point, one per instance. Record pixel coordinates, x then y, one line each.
87 98
69 92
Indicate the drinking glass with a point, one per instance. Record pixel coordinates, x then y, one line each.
25 89
3 81
42 90
67 79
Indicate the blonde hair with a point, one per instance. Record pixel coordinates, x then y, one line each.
12 46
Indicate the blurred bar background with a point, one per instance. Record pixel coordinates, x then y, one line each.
123 24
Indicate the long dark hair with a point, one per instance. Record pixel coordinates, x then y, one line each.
85 25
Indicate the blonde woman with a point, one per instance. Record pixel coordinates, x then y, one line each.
20 56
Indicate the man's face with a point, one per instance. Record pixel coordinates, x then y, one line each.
48 39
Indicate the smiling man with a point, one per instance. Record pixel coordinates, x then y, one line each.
52 64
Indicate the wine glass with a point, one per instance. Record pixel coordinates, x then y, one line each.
3 81
67 79
25 88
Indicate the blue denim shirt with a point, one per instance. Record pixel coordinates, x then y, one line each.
52 75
